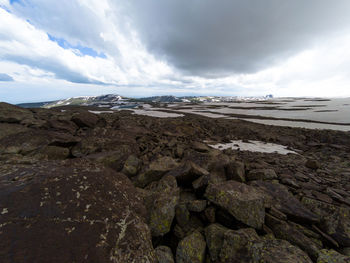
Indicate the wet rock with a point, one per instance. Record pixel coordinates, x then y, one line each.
286 202
197 205
164 254
13 114
332 256
164 199
85 119
191 249
242 201
312 164
214 236
131 165
335 220
235 171
187 173
64 203
261 174
156 170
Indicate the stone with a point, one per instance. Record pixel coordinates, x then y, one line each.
182 214
236 245
235 171
242 201
200 147
54 153
93 213
277 251
188 172
285 202
13 114
85 119
261 174
131 166
292 234
164 254
332 256
209 213
335 220
214 236
164 199
197 205
312 164
156 170
191 249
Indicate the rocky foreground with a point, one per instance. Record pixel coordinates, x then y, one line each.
81 187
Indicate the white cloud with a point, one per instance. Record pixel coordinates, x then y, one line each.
35 62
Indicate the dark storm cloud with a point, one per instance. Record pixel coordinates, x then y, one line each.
219 37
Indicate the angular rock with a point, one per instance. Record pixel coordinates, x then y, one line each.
332 256
131 165
292 234
235 171
277 251
214 236
261 174
65 203
242 201
286 202
164 254
85 119
197 205
191 249
164 199
13 114
156 171
335 220
182 214
187 173
312 164
236 245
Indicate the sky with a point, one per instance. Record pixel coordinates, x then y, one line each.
57 49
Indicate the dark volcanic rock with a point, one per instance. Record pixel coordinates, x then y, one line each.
191 249
85 119
13 114
164 254
242 201
286 202
71 211
187 173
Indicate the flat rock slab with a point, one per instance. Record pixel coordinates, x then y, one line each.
71 211
286 202
242 201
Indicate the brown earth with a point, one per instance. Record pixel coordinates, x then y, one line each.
80 187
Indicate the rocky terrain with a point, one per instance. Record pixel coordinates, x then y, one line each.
81 187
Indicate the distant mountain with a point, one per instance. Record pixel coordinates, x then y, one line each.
35 104
168 98
103 100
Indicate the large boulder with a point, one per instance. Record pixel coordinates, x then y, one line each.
156 170
335 221
13 114
242 201
85 119
188 172
164 254
214 235
161 199
191 249
332 256
285 202
71 211
277 251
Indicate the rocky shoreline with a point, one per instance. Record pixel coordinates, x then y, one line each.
81 187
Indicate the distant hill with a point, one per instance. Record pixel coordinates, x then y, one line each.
35 104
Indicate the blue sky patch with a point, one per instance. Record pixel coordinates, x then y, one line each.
84 51
14 1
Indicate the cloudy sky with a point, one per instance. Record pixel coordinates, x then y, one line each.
56 49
